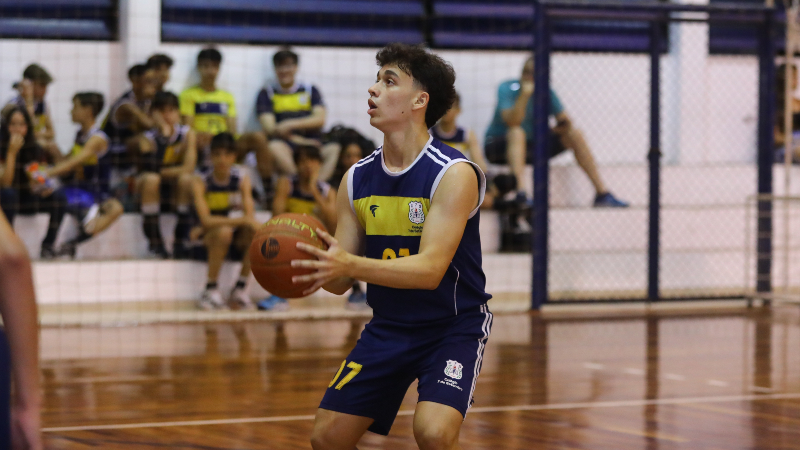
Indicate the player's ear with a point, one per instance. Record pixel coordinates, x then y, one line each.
422 100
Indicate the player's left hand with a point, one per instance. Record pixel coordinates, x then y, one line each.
330 264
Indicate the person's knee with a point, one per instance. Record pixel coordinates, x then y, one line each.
435 436
150 181
221 236
324 438
185 182
113 208
516 133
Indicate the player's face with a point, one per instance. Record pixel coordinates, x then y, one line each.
162 75
171 115
39 90
80 112
222 160
208 70
307 166
286 72
392 98
148 82
351 155
17 125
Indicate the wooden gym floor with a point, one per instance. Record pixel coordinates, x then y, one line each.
612 379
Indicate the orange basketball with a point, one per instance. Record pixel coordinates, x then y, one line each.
275 246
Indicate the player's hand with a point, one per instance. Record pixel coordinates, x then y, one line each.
330 264
526 87
25 428
282 130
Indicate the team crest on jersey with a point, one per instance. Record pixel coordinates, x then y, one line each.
415 214
453 369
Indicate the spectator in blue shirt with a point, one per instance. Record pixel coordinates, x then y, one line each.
510 136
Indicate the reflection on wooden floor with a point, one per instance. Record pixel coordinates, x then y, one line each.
722 379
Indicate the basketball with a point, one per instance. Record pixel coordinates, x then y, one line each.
275 246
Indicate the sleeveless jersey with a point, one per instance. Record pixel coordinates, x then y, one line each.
392 208
457 139
169 151
222 199
119 132
302 203
93 175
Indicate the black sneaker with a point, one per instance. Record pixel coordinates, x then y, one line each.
48 252
180 251
158 251
67 249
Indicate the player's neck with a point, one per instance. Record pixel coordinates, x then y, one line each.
87 125
220 176
401 147
208 85
446 128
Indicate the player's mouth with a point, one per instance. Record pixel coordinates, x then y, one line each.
372 107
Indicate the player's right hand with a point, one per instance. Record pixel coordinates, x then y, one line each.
15 143
25 428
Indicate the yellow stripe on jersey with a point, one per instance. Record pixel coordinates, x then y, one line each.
460 146
299 101
41 123
77 148
209 109
172 156
300 206
392 216
218 201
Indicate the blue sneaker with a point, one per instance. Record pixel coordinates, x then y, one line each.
608 200
357 301
273 303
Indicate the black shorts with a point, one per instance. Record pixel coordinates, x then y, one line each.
495 148
445 357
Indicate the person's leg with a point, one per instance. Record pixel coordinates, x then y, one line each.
516 149
574 140
330 158
282 156
217 241
183 202
149 184
110 211
9 202
437 426
55 205
338 431
239 298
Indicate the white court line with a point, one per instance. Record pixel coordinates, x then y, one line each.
718 383
633 371
485 409
674 377
593 366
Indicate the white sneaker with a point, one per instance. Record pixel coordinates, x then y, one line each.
239 300
211 299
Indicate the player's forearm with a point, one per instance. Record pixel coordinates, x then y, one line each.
306 123
20 319
212 221
7 178
516 114
412 272
339 286
174 172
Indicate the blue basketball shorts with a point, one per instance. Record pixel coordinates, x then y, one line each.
445 356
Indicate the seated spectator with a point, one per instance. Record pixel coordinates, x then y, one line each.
224 204
161 64
780 113
291 113
23 160
85 173
32 90
168 159
354 147
510 136
129 116
303 193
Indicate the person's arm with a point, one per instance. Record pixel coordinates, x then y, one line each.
456 196
15 143
563 124
189 158
267 121
313 122
514 115
232 126
282 191
128 112
248 204
20 318
475 151
94 146
49 132
207 220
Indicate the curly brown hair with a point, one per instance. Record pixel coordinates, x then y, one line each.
435 75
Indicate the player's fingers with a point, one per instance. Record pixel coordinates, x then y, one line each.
309 263
310 249
315 287
318 275
330 240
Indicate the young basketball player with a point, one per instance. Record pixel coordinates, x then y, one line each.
223 200
408 226
303 193
19 354
168 160
86 172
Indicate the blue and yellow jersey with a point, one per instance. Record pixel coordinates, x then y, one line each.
210 110
456 139
296 102
169 150
93 175
302 203
223 198
392 208
119 132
